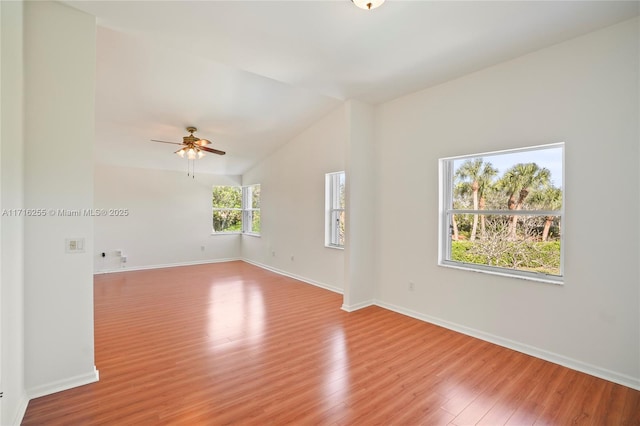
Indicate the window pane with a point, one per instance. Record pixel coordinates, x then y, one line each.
337 227
251 206
255 222
341 233
227 220
523 180
255 196
341 191
229 197
524 243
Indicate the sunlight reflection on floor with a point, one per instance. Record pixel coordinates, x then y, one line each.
336 377
228 321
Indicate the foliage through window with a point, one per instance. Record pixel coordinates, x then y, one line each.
335 209
227 209
502 212
236 209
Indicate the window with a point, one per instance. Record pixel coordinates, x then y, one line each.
251 209
227 209
502 212
335 203
236 209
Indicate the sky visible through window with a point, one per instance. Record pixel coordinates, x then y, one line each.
550 158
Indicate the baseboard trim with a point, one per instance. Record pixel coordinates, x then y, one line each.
22 410
166 265
295 277
355 307
571 363
64 384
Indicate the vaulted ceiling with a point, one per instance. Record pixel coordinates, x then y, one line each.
253 74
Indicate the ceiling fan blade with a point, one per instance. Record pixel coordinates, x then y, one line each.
172 143
214 151
203 142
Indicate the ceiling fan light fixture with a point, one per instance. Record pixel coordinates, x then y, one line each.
367 4
191 154
193 148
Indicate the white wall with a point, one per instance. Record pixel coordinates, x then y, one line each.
14 401
292 183
583 92
168 221
58 173
360 242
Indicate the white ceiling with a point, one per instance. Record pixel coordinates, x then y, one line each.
253 74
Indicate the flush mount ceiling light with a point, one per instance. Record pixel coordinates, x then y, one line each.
367 4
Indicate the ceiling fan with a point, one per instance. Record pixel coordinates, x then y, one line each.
192 146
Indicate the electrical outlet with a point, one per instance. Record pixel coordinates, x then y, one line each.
412 286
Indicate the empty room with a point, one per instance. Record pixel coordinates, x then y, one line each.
341 212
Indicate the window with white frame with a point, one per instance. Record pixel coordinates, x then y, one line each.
335 209
236 209
502 212
227 209
251 209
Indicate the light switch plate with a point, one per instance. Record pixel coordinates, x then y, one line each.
74 245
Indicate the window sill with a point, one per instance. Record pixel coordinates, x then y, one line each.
334 247
248 234
225 233
532 277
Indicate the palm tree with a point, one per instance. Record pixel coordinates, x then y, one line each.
485 185
477 176
455 236
517 182
548 199
458 198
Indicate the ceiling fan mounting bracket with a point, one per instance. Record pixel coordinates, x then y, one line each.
191 129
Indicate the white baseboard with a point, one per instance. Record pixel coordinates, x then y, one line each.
571 363
296 277
166 265
64 384
21 411
355 307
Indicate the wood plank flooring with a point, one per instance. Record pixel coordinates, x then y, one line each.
231 343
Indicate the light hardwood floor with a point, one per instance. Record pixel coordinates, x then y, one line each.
231 343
